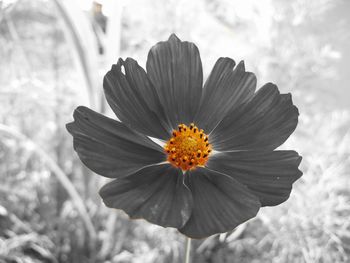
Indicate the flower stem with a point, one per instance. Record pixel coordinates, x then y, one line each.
188 250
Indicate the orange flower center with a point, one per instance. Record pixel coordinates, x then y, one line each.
188 147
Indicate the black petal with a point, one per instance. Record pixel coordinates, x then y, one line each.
263 123
134 100
269 175
156 193
224 90
175 69
220 203
108 147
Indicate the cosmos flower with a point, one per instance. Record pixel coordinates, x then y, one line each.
218 164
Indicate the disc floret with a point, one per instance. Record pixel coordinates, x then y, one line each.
188 147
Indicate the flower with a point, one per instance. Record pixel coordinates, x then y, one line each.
218 165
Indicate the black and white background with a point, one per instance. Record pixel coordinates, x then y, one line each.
53 55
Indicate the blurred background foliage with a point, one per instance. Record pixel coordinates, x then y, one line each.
53 57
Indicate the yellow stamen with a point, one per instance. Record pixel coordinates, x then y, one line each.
188 148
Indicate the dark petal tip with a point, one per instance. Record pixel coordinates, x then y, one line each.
241 65
174 37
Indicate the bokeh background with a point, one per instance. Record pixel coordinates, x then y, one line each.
53 55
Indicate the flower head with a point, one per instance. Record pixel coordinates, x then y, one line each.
218 165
